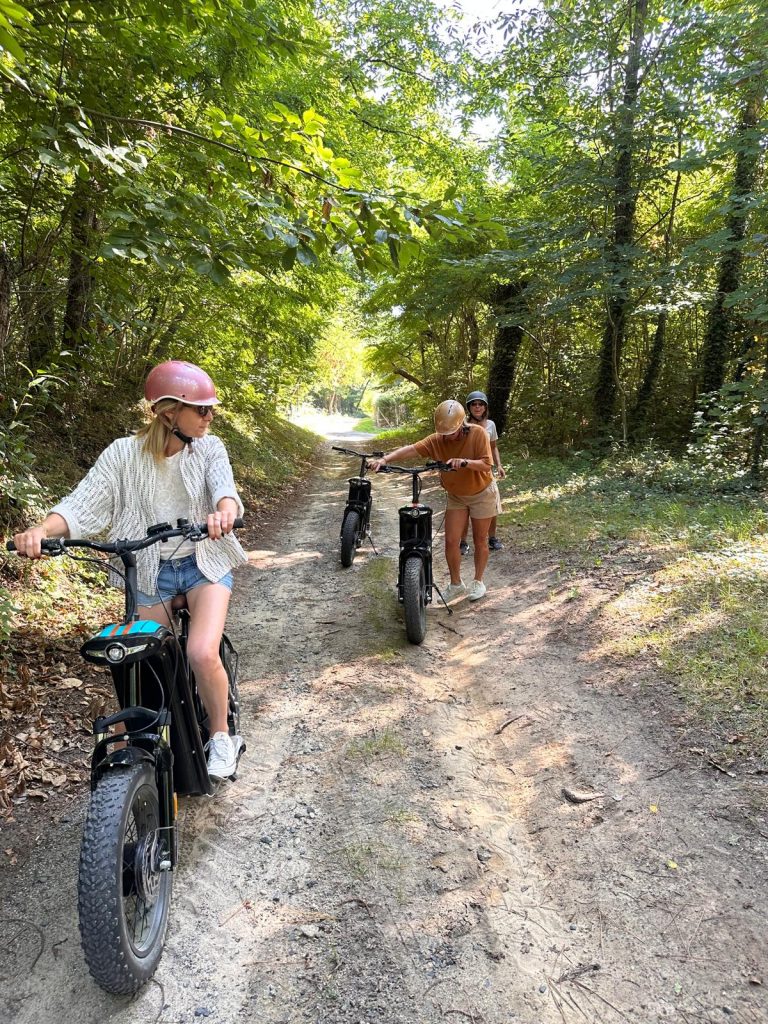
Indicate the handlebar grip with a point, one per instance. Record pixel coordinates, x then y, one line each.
239 523
51 545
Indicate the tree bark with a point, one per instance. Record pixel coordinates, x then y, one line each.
80 279
509 305
473 336
639 416
619 259
6 274
724 323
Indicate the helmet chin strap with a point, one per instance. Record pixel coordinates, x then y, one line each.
182 437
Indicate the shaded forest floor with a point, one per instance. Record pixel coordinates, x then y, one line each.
518 821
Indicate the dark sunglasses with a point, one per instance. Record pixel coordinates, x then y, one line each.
201 410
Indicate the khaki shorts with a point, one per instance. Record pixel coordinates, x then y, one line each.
483 505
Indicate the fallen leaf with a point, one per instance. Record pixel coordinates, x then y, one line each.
70 683
653 808
672 865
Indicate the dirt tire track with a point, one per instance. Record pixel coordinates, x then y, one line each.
389 853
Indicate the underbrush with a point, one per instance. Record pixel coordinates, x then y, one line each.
573 505
700 609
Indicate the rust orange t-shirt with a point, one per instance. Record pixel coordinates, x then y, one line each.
472 444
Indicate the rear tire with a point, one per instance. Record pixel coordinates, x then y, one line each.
349 531
123 896
415 600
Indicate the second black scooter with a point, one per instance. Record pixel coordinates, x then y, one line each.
356 524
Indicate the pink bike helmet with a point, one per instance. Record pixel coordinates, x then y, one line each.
183 381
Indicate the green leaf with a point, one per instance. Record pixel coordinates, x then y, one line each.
7 42
288 257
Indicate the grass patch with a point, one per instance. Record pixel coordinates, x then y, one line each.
365 859
705 618
399 816
366 426
379 745
379 576
572 507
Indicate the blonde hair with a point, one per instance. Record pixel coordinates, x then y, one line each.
158 431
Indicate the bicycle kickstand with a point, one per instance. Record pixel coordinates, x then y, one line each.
440 595
370 538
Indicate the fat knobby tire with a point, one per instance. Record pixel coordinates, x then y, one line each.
349 531
117 962
414 600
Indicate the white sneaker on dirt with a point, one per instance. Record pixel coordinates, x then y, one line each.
452 591
476 590
222 757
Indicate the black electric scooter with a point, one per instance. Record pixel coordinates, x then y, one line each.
356 524
414 576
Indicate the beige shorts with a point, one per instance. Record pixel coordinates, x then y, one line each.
483 505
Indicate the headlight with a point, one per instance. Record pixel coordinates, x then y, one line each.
116 653
415 512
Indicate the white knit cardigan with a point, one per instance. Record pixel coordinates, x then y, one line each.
118 493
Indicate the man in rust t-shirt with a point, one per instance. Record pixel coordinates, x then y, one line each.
471 489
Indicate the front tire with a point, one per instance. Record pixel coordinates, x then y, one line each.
415 600
349 532
123 895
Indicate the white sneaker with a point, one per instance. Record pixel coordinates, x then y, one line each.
222 757
453 590
476 590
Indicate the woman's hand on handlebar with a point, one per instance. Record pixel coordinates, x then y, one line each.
221 521
377 465
28 544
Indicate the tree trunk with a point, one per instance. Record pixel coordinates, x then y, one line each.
6 274
473 336
508 305
619 259
724 323
639 415
80 280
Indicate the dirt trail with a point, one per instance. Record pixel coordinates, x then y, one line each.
398 847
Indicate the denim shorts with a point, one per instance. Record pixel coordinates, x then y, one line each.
177 576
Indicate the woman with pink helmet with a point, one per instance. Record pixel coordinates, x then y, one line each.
171 469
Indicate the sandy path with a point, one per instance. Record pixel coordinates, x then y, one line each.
397 847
